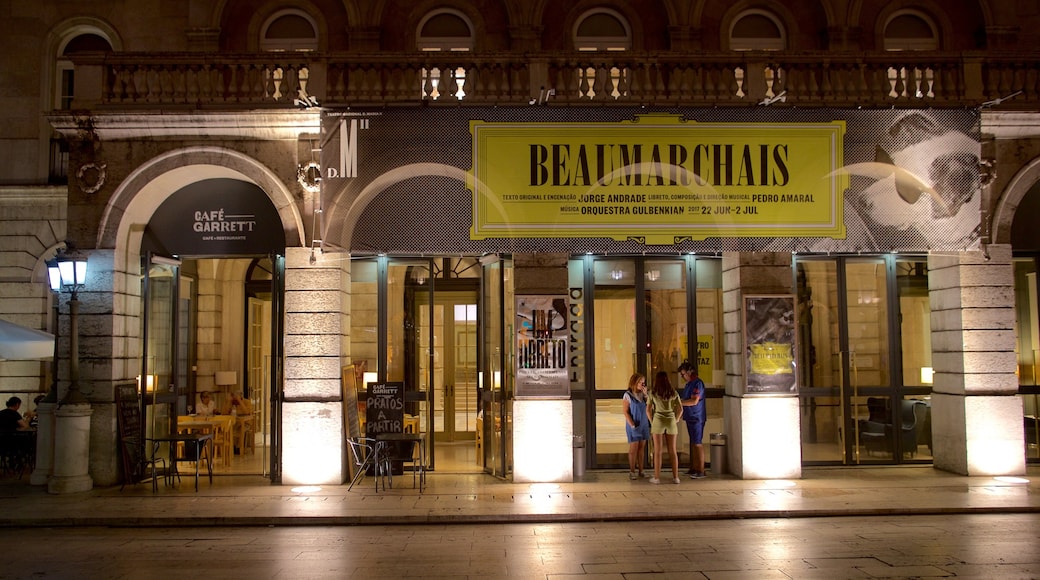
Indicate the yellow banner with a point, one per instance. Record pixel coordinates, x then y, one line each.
771 358
658 179
706 358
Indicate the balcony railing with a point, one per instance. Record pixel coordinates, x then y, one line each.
906 79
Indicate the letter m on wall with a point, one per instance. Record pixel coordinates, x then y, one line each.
348 130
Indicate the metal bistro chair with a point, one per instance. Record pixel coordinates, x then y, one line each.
363 451
404 452
140 465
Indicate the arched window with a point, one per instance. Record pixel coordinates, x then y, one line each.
80 39
444 30
289 30
602 29
88 42
757 30
910 30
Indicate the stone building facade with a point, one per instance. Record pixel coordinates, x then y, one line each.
343 134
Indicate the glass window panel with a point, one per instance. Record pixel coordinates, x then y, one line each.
710 353
611 441
819 357
915 322
406 324
614 312
867 302
872 428
1026 321
666 315
1031 424
364 316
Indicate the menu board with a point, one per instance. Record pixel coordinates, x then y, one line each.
128 413
385 409
129 410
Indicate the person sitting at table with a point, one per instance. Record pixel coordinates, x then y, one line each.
243 411
207 407
11 419
33 416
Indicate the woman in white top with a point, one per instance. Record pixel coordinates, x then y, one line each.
207 406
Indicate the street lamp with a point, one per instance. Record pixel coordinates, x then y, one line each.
68 273
71 471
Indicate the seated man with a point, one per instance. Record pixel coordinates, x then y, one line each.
11 419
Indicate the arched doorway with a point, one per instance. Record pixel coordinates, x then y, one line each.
212 265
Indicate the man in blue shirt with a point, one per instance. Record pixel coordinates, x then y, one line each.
695 414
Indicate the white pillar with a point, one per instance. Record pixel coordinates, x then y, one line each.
543 441
44 444
976 411
763 432
71 450
316 319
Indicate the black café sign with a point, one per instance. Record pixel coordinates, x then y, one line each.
216 217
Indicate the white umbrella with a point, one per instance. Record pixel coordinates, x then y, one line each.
18 342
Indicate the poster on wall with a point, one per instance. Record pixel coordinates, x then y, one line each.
542 347
769 334
660 175
633 180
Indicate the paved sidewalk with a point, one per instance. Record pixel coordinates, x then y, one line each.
471 498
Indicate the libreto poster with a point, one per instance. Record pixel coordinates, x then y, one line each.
541 347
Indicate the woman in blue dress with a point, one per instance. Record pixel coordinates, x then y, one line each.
637 424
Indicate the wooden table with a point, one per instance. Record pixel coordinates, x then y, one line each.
201 445
222 427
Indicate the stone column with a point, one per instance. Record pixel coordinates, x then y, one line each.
71 450
542 430
764 433
317 320
976 413
44 444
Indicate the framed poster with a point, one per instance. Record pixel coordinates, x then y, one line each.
542 347
769 334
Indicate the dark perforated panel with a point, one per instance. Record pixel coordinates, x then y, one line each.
422 213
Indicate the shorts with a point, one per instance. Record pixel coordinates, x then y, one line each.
664 426
696 430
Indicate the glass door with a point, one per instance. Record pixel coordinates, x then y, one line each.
455 364
158 378
495 386
651 339
864 347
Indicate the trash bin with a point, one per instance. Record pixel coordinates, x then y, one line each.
579 456
718 453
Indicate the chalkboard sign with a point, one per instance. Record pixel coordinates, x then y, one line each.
128 413
385 409
350 402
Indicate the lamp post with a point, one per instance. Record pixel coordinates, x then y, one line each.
66 273
72 416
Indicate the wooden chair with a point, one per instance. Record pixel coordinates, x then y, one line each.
223 438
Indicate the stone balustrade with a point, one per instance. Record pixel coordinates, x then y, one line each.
910 79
